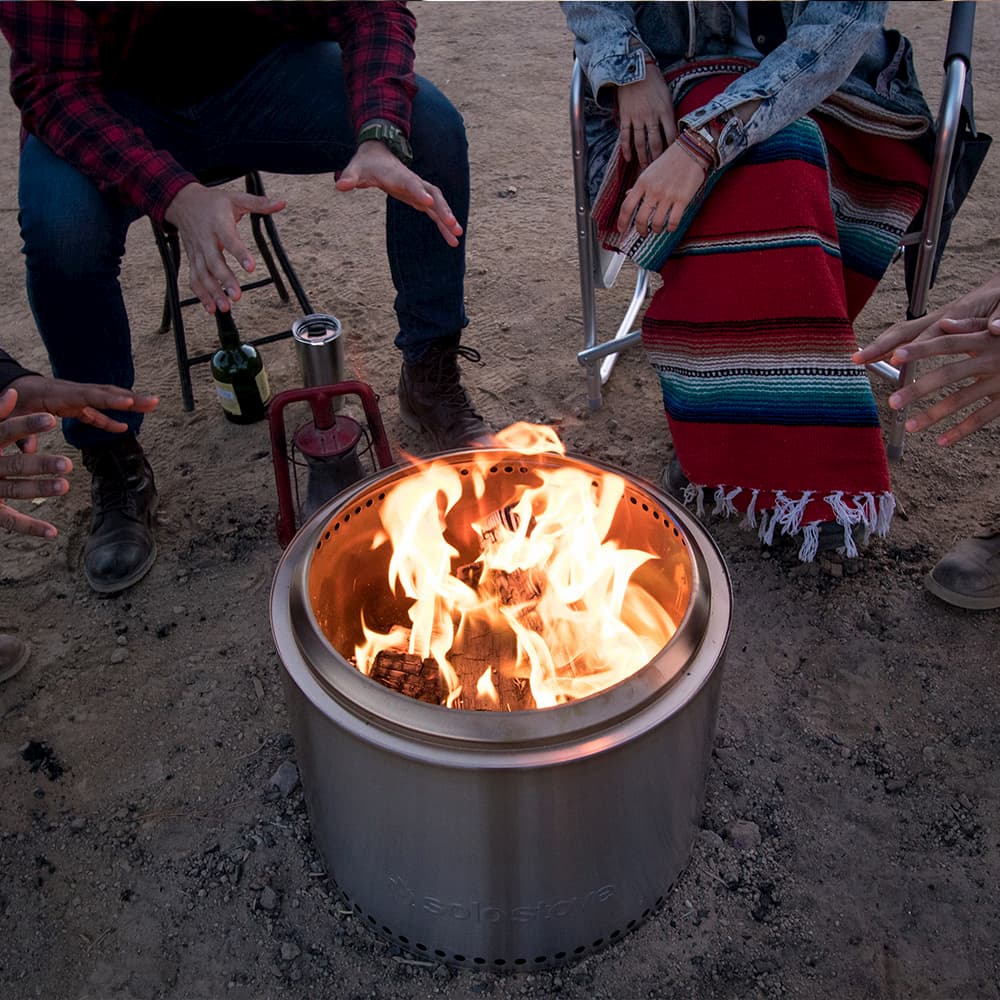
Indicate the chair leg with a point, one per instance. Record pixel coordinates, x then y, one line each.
265 253
255 185
166 317
170 255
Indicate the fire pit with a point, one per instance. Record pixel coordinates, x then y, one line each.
518 836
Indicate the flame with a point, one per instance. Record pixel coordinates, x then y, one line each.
549 582
486 689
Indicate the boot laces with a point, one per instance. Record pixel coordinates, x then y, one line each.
444 373
116 486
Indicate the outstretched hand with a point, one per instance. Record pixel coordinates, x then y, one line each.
37 394
375 165
24 474
206 220
968 327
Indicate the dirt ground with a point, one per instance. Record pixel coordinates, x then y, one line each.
143 850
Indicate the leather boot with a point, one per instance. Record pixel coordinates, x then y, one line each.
969 575
120 549
433 400
14 655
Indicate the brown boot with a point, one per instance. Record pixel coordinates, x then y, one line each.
14 655
433 400
969 575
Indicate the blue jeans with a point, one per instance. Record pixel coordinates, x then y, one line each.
289 115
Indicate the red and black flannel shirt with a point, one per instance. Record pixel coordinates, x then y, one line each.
64 55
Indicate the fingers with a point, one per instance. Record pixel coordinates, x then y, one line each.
18 471
943 345
439 210
97 419
944 407
378 167
22 524
625 137
897 334
212 281
973 422
15 428
8 400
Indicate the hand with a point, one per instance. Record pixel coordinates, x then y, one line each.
206 220
646 116
20 470
36 394
662 193
977 310
969 326
375 165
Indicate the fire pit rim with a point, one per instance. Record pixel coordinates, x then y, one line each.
324 675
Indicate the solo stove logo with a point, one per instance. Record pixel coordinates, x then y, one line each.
543 909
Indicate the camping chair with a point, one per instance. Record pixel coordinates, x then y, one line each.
958 153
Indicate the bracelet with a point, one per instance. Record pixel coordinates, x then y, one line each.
703 144
699 155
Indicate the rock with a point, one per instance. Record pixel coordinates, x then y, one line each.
285 778
77 823
268 899
743 834
289 950
120 655
710 839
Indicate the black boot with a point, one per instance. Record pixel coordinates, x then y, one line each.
432 398
120 548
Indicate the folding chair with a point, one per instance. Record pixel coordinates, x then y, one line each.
173 305
598 267
958 152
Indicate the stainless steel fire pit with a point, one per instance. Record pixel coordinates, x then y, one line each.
514 840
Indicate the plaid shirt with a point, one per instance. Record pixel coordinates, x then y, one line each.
64 54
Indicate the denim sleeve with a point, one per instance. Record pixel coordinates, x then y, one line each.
824 44
607 44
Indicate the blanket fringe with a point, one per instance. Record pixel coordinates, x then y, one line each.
874 512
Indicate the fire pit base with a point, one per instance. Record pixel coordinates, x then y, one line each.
510 840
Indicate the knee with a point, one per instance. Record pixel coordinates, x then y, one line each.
437 128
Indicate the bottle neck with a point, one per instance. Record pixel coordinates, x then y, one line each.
229 336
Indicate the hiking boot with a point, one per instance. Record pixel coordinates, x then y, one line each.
969 575
675 482
14 655
832 537
432 398
120 548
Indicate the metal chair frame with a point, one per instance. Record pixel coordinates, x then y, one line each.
269 244
597 270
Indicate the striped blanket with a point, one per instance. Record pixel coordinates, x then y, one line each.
751 332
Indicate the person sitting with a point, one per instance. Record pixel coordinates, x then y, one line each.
968 330
116 128
28 402
764 158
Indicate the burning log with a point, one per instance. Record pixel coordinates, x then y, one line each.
409 674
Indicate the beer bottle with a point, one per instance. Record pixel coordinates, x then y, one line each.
239 375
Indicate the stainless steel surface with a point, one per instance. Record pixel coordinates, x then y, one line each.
504 839
598 359
319 345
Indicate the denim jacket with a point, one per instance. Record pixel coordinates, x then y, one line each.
832 48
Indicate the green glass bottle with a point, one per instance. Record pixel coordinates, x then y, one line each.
238 373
